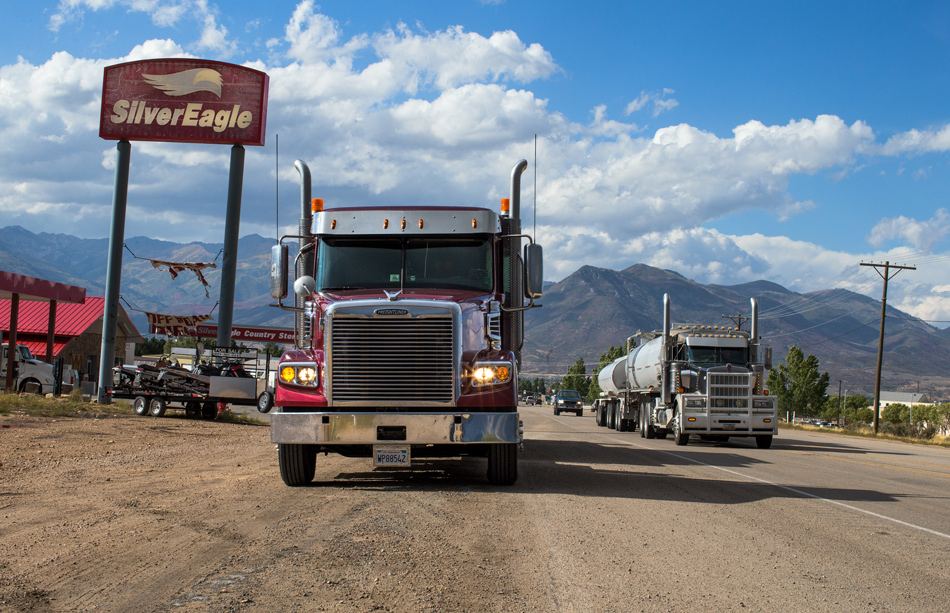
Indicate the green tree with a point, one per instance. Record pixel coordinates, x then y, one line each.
577 379
797 384
151 346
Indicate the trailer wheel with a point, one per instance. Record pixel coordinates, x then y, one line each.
648 428
599 416
209 411
503 463
157 406
661 433
298 463
193 410
265 402
764 441
140 406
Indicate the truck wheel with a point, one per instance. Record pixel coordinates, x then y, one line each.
209 411
622 424
503 463
648 427
157 406
140 406
265 402
193 410
643 429
298 463
599 416
679 437
31 386
557 411
661 433
763 442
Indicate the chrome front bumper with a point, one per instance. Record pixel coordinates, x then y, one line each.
394 428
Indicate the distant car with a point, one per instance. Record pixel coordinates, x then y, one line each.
530 400
568 400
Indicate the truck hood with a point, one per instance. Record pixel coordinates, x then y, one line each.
450 295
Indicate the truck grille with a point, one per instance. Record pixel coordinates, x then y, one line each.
386 361
728 391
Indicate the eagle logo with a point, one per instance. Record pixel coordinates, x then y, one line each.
187 82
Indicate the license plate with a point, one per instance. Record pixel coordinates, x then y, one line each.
728 426
390 456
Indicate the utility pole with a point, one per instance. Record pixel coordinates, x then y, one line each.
736 319
880 343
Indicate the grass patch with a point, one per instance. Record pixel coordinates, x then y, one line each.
73 405
866 432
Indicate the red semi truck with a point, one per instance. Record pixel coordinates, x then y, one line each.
409 329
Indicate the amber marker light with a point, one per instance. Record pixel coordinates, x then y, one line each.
505 206
333 224
474 223
316 205
385 224
287 374
420 224
403 224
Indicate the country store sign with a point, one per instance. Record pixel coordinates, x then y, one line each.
184 100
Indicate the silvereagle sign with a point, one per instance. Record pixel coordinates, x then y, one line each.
184 100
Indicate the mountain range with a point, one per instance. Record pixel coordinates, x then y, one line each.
581 317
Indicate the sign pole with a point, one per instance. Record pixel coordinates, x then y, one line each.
232 227
110 315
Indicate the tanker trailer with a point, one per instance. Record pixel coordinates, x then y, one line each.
696 379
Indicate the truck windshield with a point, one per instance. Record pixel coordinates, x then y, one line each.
717 355
24 352
385 263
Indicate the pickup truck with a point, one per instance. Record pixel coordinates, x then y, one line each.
568 400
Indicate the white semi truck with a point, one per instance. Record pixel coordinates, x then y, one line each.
691 379
32 375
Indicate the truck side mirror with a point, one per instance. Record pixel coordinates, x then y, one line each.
305 286
768 358
534 271
278 272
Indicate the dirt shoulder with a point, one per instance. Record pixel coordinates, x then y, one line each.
151 514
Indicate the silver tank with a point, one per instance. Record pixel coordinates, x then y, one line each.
643 365
613 377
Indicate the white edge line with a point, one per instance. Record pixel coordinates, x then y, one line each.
790 489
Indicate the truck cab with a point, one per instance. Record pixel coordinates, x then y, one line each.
32 375
408 340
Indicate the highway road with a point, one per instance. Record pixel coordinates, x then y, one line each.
817 522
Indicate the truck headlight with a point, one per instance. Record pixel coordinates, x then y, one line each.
304 374
695 403
762 404
491 373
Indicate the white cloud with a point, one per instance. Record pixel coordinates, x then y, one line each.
408 116
919 234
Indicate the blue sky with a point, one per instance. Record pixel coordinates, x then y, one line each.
729 141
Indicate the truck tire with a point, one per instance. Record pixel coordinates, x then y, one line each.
298 463
764 441
140 406
599 418
157 406
31 386
503 463
193 410
661 433
679 437
622 424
